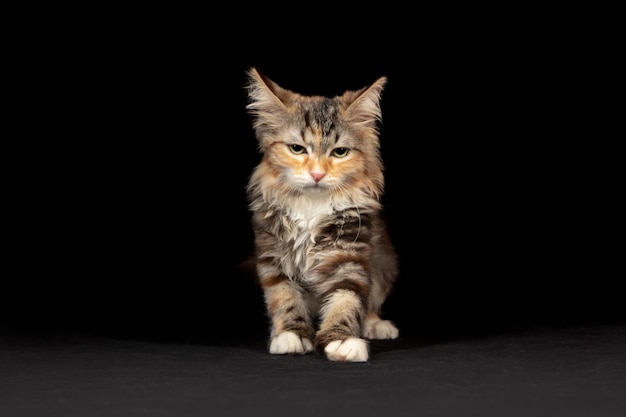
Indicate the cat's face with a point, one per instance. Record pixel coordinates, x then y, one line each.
314 153
317 145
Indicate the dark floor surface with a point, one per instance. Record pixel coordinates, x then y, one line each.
570 370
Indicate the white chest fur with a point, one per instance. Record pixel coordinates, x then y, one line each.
304 216
307 213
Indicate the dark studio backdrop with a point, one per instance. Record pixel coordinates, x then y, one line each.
138 222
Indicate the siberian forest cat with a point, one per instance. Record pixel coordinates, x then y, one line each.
323 256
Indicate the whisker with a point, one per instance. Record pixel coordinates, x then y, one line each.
358 232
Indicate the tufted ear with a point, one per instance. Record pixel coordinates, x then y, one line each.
267 101
364 104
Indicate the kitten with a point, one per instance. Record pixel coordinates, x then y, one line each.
322 252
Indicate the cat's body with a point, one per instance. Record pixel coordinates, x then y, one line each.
322 252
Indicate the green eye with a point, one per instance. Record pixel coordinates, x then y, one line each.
340 152
297 149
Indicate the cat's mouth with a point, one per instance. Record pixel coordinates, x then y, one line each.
315 188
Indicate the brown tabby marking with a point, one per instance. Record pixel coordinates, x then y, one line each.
323 255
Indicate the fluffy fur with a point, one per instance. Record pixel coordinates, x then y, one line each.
322 252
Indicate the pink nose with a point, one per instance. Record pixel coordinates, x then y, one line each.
317 176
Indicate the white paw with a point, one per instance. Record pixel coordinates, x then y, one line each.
380 329
350 350
289 342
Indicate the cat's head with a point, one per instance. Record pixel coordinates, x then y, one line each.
314 145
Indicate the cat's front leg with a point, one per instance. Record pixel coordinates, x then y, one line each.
292 330
338 336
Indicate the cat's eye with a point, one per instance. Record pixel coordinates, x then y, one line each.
297 149
340 152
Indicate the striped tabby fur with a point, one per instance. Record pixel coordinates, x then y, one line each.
322 252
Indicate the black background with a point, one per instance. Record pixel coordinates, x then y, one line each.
131 214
